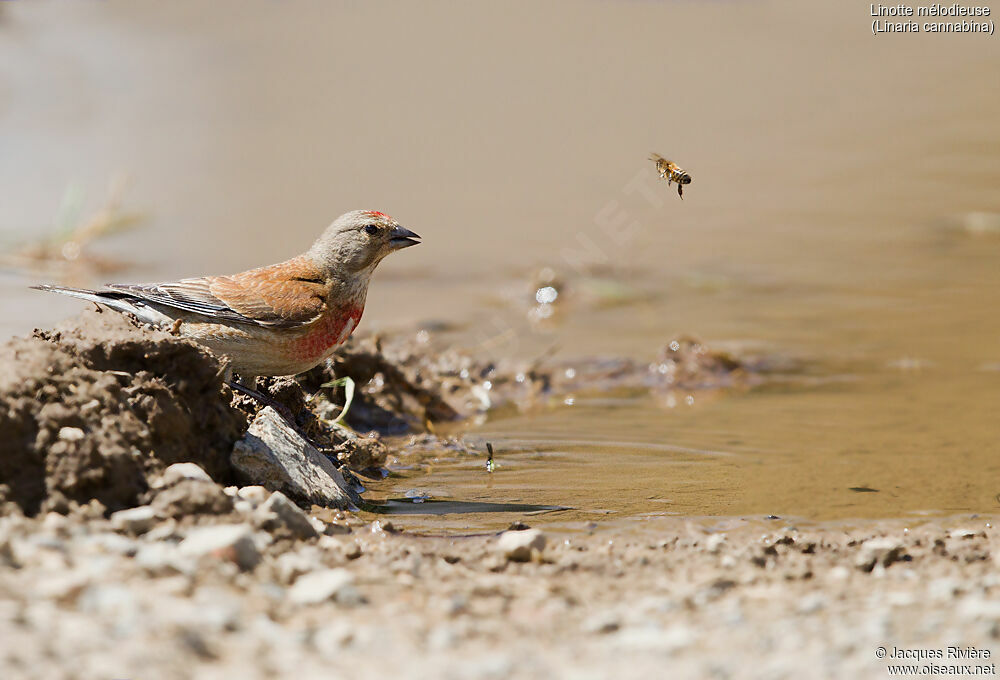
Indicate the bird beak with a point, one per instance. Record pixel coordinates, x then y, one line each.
402 238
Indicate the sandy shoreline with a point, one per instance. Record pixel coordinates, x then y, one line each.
82 599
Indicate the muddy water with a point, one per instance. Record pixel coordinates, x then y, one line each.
830 217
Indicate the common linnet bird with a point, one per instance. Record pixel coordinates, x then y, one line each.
282 319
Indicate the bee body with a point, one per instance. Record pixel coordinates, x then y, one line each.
671 172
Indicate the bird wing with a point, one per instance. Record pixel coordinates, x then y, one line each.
284 295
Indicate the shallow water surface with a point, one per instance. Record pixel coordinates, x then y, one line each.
843 212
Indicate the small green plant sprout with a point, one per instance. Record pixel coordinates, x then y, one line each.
348 384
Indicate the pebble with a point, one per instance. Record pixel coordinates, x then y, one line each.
71 434
603 622
164 558
965 533
879 551
714 543
137 520
254 493
231 542
331 637
279 512
325 584
55 523
811 603
112 543
112 600
520 546
291 565
654 638
64 587
179 472
162 532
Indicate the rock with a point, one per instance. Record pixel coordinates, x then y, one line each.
604 622
714 543
56 523
323 585
134 520
277 512
880 551
192 497
966 533
111 543
654 638
180 471
161 558
232 542
71 434
64 587
255 494
164 531
279 458
292 564
520 546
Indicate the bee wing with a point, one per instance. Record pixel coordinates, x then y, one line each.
656 157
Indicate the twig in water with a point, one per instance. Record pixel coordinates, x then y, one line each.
490 465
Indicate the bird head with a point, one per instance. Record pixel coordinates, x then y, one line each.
358 240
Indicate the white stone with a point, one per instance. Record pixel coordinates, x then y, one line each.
232 542
254 493
714 543
518 546
291 565
64 587
654 638
323 585
277 511
164 558
178 472
71 434
134 520
879 552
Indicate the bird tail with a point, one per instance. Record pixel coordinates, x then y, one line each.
120 302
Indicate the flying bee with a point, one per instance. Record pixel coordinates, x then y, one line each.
671 172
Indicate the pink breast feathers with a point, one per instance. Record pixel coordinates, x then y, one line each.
326 335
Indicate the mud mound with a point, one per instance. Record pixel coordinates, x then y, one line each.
407 387
92 408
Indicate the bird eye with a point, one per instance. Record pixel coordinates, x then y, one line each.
371 229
